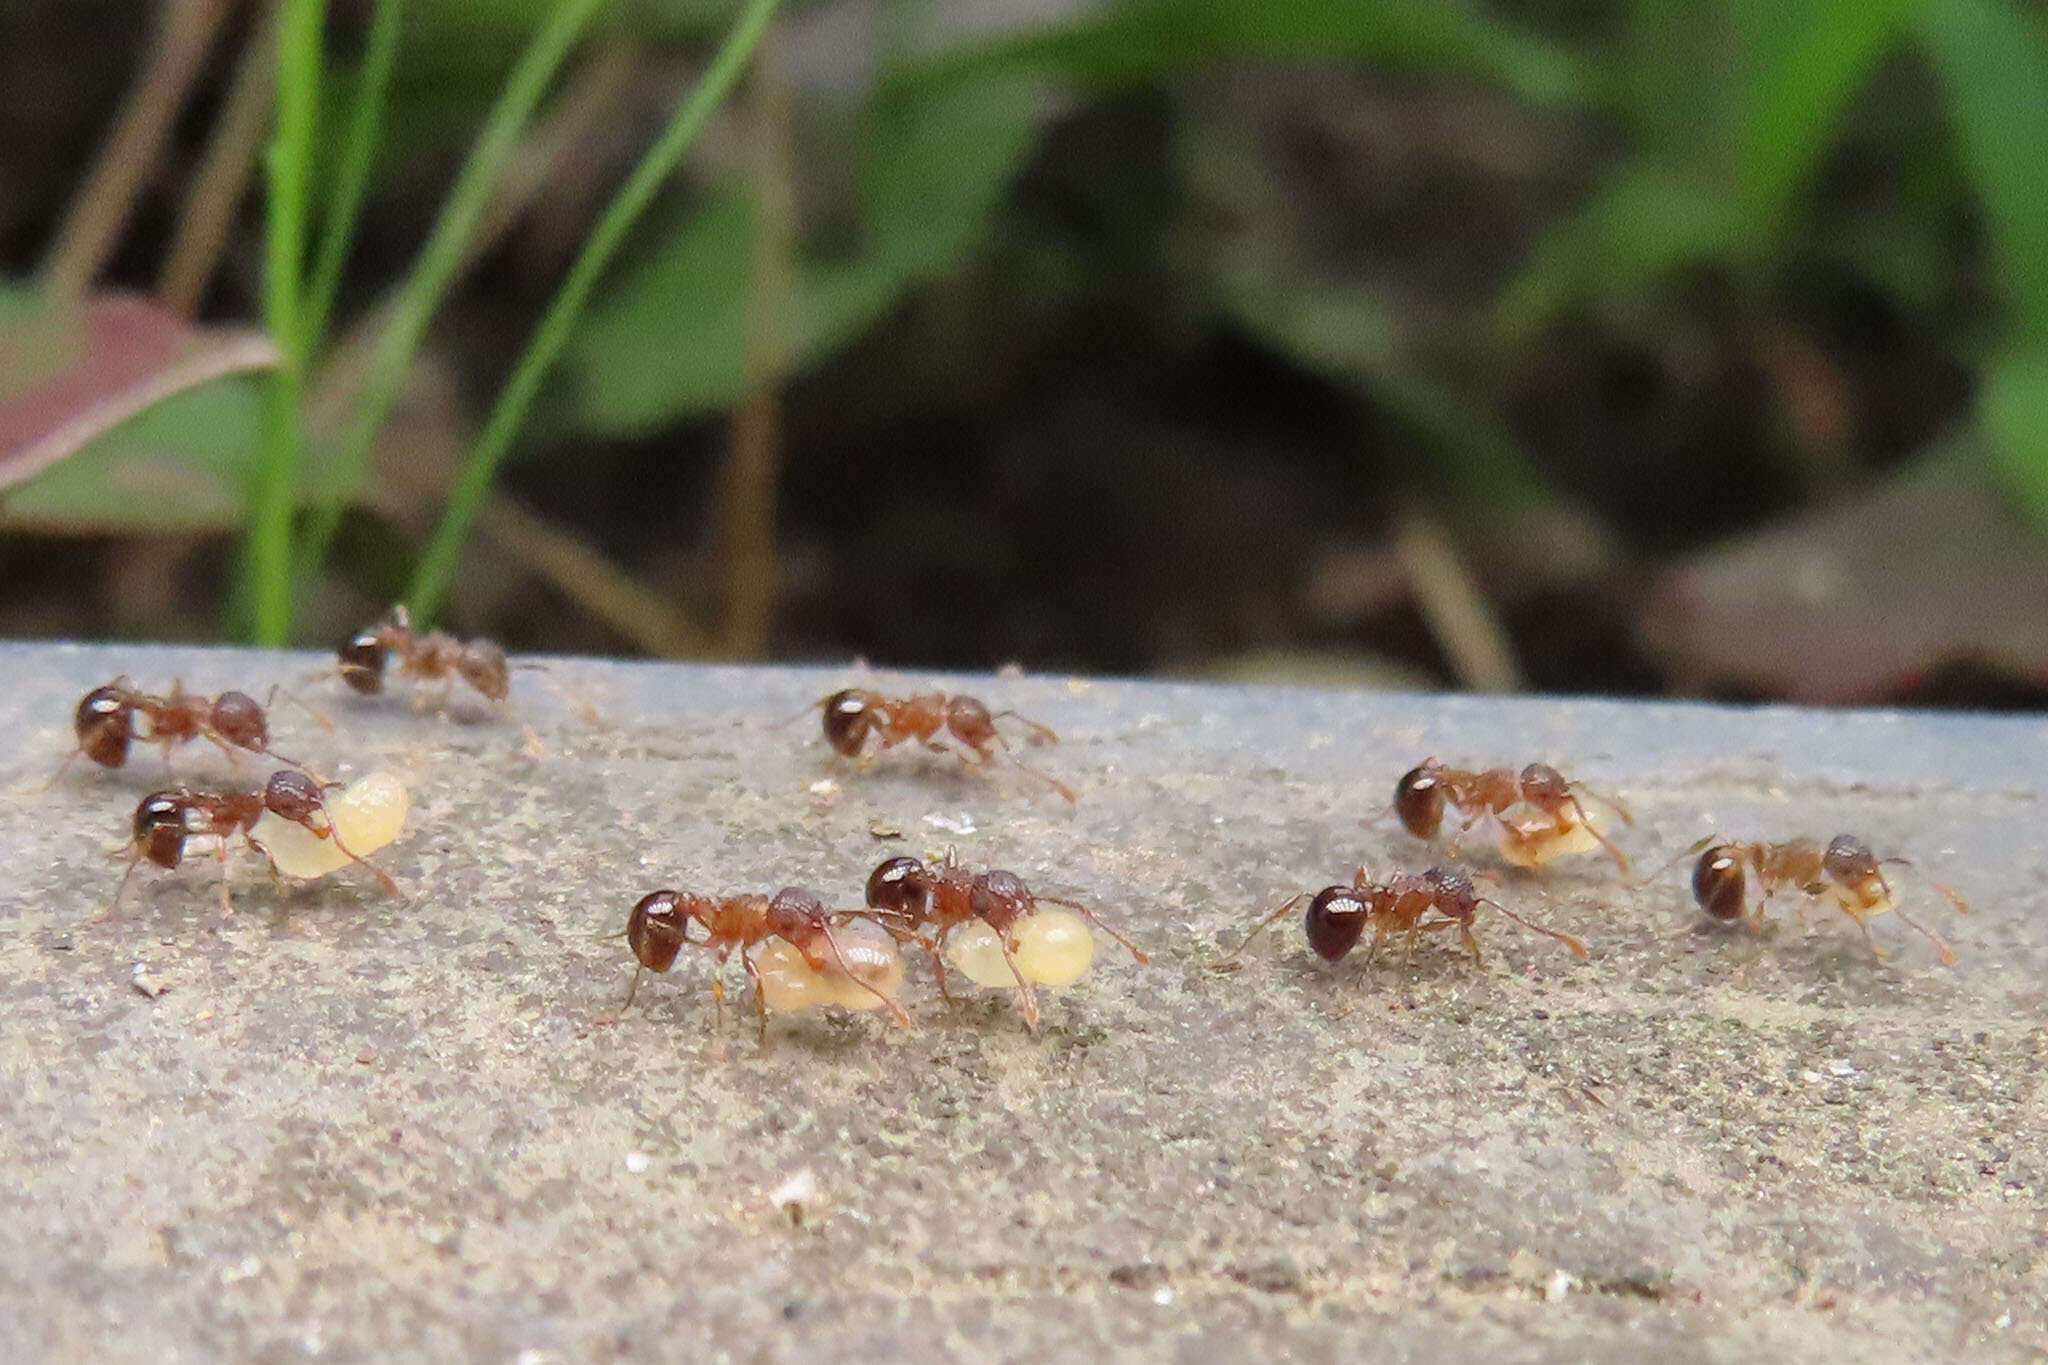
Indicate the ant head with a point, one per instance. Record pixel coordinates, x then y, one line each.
1455 895
1000 898
1719 883
902 886
1544 786
160 828
106 724
849 715
240 721
658 928
1852 866
482 665
292 795
1419 799
362 659
969 719
1336 917
795 915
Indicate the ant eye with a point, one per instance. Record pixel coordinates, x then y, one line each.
362 663
1419 801
1336 918
240 720
847 721
1718 883
900 885
656 930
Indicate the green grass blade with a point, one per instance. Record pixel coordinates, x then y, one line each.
508 414
268 560
421 294
352 172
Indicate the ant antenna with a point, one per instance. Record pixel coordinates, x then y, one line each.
902 1018
583 705
1137 953
320 718
1040 733
1578 948
1581 789
1586 823
1692 850
1229 960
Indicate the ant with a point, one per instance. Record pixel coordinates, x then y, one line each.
1339 915
435 655
1845 873
852 715
660 925
165 820
1561 823
105 722
924 904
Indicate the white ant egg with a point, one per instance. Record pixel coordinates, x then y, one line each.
1054 947
366 815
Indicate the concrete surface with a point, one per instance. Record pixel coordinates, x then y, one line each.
349 1127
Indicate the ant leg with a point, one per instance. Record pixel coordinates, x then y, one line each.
1229 958
639 970
1465 931
902 1018
1136 952
1010 757
936 947
134 861
227 902
1026 996
390 886
1578 948
718 998
760 996
1586 823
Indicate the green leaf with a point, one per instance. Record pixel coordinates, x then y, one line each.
2014 406
669 339
1996 69
1807 59
1145 39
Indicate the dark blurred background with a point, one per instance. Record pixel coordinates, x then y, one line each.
1642 346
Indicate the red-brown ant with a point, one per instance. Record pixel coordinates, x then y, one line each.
660 925
853 715
923 904
165 820
1338 916
1845 873
106 722
1556 819
434 656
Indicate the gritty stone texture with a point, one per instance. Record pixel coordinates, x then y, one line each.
350 1127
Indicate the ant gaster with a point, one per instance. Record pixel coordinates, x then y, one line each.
854 715
106 722
923 904
1845 873
1338 916
1424 791
165 820
659 927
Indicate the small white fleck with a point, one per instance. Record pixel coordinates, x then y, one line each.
1839 1068
636 1162
962 823
1162 1296
2004 1321
1811 1077
1561 1283
795 1195
825 787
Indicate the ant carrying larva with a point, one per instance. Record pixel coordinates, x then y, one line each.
1538 812
1844 874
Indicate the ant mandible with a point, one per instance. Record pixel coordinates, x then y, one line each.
1338 916
1556 821
106 722
924 904
1846 874
164 821
659 927
853 715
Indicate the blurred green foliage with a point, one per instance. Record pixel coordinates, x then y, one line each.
1718 121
